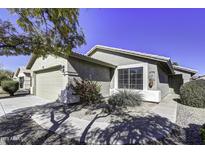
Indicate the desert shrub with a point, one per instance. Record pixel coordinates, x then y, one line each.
10 86
4 77
125 99
89 91
202 134
193 93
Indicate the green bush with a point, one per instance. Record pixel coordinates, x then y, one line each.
10 86
125 99
193 93
89 91
4 77
202 134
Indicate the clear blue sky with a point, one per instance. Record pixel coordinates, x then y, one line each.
176 33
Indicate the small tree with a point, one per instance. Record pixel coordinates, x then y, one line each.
10 86
41 31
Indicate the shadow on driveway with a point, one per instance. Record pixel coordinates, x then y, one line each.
19 128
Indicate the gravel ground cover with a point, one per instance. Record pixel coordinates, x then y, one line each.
89 113
190 119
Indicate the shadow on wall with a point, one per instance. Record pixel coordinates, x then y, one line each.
68 95
163 76
89 71
175 82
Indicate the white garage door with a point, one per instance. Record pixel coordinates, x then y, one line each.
49 84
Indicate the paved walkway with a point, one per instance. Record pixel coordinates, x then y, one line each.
71 127
8 105
167 107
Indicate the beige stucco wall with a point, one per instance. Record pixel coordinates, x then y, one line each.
45 63
75 68
160 79
27 82
81 69
50 61
115 58
119 60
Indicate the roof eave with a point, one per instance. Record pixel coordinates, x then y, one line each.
129 52
146 56
17 72
191 71
87 58
31 61
75 55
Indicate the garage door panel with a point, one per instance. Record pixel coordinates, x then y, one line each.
49 84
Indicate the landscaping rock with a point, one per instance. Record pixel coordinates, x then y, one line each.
191 119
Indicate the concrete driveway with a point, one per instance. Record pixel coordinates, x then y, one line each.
8 105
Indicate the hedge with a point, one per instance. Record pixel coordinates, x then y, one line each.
202 134
125 98
3 77
10 86
193 93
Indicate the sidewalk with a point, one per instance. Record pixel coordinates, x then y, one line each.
167 107
70 127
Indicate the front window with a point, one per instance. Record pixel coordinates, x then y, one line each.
130 78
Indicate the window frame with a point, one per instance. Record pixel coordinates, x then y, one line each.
126 72
145 75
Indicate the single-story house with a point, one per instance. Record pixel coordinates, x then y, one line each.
23 76
114 69
201 77
186 73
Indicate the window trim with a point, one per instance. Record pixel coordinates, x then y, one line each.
145 74
129 84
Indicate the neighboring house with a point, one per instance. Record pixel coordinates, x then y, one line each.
23 75
114 69
202 77
199 77
186 73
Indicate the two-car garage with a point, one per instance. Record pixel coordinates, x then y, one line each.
49 83
51 75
